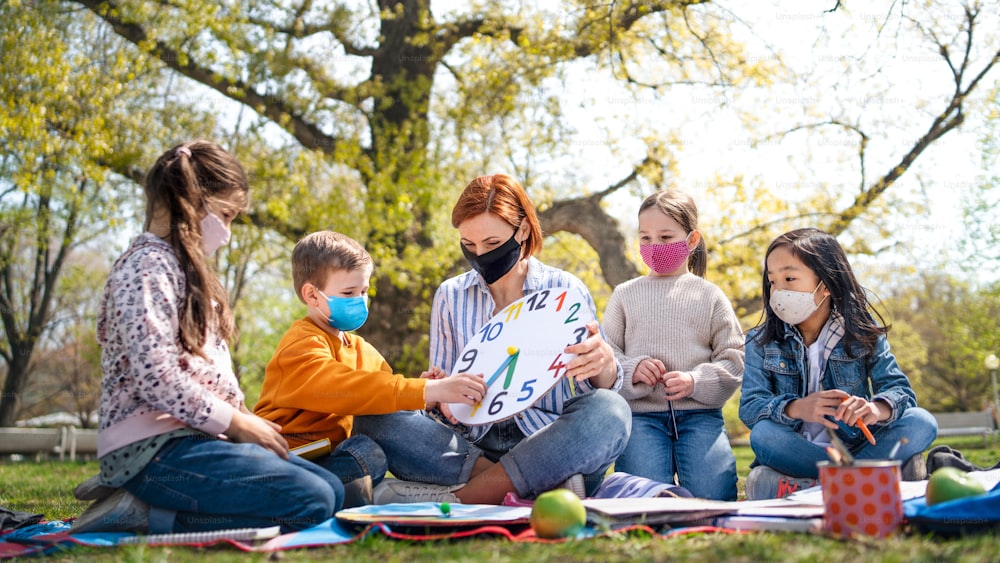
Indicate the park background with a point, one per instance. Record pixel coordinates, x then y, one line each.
875 121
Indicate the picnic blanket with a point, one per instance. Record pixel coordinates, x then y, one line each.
393 521
980 513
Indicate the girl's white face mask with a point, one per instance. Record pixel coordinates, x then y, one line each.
214 233
794 307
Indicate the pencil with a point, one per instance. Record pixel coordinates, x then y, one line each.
892 453
864 430
673 419
864 427
845 454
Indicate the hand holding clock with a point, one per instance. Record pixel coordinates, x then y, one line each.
544 339
463 388
594 359
438 373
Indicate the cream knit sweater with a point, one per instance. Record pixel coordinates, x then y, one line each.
687 323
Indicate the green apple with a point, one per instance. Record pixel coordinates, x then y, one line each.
558 513
950 483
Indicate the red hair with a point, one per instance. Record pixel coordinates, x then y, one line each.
504 197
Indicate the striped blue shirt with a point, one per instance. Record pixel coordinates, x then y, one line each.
463 305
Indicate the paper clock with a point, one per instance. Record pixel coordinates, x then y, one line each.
520 352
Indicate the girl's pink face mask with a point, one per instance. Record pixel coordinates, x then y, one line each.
665 258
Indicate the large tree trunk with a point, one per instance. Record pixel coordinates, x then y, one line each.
399 139
17 376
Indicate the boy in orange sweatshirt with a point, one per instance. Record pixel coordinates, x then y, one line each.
322 374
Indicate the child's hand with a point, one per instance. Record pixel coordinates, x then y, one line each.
817 406
853 408
252 429
678 384
434 373
459 388
648 371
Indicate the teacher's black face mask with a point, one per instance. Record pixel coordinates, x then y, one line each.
494 264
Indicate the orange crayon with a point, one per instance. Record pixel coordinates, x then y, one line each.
864 428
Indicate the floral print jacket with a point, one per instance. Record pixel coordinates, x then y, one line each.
150 384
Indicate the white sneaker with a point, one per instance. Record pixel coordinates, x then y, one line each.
393 490
766 483
576 485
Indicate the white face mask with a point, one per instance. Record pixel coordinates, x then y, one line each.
794 307
214 233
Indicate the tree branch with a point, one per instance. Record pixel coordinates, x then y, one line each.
273 107
767 225
450 34
585 217
301 30
951 117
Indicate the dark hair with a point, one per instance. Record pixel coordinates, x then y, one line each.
322 253
822 254
180 183
680 207
504 197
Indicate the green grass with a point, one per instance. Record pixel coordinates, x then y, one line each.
46 488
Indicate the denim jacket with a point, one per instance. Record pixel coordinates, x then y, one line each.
775 374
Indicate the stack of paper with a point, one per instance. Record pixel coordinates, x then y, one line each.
776 514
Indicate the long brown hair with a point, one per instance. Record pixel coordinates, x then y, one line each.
680 207
180 183
821 253
504 197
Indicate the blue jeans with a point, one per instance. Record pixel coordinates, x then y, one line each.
195 484
354 458
781 448
586 438
699 454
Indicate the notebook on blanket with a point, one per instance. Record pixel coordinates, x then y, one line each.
426 515
694 511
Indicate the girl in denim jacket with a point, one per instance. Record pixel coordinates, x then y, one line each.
821 360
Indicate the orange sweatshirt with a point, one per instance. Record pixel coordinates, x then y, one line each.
314 384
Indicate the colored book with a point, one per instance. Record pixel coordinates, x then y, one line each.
313 450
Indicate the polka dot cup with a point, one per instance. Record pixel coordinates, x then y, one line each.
861 499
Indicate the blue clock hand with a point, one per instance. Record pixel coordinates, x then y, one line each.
510 361
503 365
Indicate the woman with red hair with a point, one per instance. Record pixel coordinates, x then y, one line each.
569 437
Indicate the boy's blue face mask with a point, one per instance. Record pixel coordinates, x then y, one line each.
347 313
